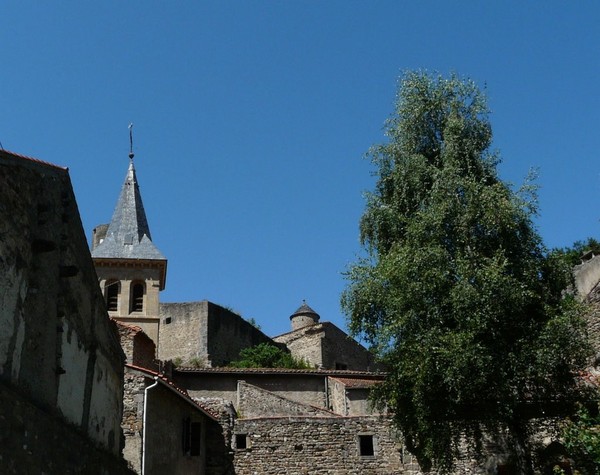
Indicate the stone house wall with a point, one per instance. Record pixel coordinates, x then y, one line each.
139 349
199 330
37 441
255 402
314 445
166 412
324 345
305 388
58 348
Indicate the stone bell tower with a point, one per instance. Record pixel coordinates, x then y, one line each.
130 268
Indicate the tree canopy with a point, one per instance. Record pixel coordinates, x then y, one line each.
266 355
457 295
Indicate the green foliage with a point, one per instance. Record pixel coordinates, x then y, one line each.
457 295
572 255
581 435
265 355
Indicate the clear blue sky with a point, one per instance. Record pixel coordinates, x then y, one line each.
252 119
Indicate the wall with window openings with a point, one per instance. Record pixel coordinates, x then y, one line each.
348 445
133 296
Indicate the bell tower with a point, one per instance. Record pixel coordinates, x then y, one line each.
131 269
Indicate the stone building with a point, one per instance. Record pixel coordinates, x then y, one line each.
61 365
324 345
132 271
130 268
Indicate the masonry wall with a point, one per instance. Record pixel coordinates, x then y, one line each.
302 388
58 349
34 441
324 345
255 402
318 445
133 418
204 331
139 349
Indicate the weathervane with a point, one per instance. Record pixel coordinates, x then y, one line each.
131 141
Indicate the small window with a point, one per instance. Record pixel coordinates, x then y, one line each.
111 294
195 438
341 366
167 320
137 297
241 441
365 446
192 437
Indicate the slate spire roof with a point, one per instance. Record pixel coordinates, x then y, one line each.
128 235
305 310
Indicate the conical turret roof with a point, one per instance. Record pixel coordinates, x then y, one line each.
128 235
305 310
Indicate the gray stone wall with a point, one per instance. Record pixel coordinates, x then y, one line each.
205 332
57 345
183 331
133 418
300 387
324 345
256 402
35 441
319 446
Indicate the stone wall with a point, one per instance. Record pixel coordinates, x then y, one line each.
256 402
58 348
34 441
324 345
199 330
318 445
139 349
305 388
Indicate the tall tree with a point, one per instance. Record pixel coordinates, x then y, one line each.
457 295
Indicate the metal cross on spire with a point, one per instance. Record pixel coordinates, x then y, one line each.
131 141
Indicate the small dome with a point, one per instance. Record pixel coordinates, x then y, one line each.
305 311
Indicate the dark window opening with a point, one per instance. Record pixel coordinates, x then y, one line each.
365 445
191 437
195 438
137 297
167 320
111 293
341 366
241 441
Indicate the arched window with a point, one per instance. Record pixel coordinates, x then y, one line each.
111 294
137 297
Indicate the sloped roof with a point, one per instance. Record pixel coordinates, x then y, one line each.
128 235
305 310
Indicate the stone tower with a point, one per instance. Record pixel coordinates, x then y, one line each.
130 268
304 317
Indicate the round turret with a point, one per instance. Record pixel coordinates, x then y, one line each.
304 317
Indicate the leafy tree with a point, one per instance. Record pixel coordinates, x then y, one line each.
572 255
265 355
581 434
457 295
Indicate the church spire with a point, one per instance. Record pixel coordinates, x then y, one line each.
128 234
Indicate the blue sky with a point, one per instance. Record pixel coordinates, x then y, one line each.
252 119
